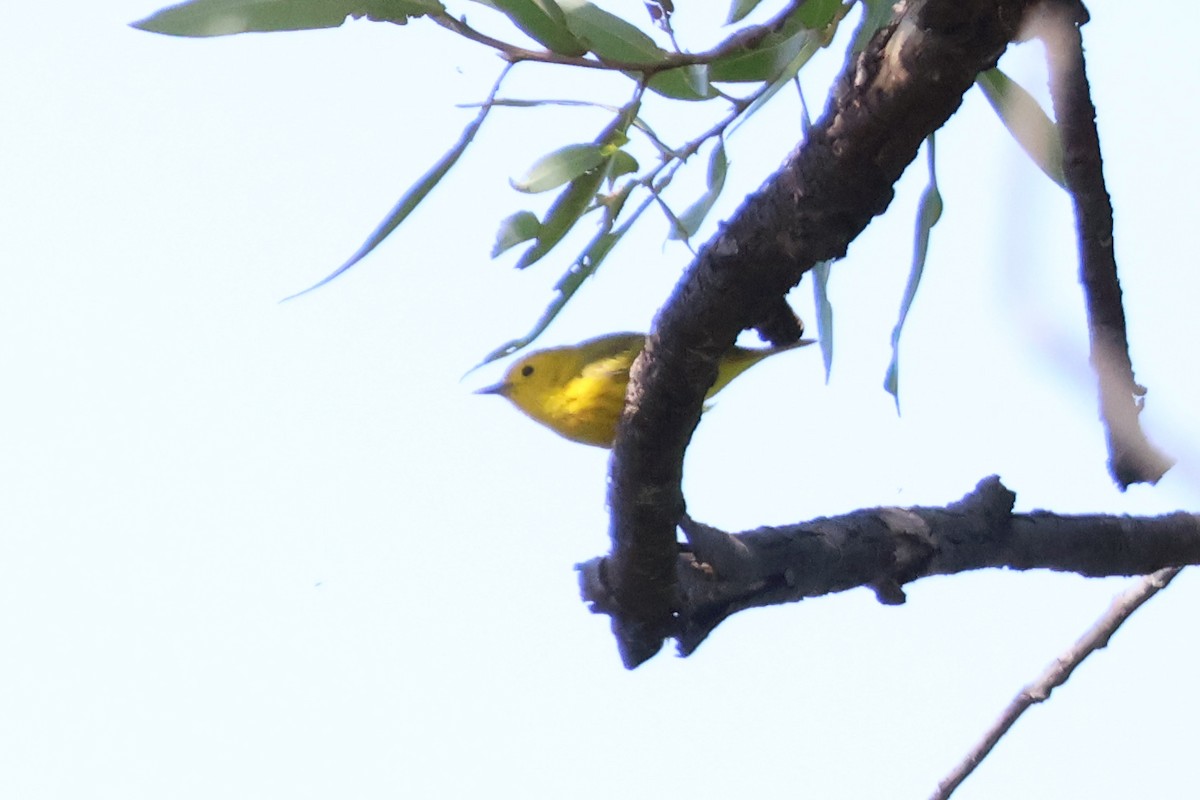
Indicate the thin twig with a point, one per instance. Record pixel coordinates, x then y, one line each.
1057 673
743 40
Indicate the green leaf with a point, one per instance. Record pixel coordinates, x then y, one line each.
740 9
683 83
566 210
584 266
620 164
609 36
224 17
635 122
520 227
418 192
562 166
930 211
820 273
1026 121
693 216
543 21
812 43
565 289
818 14
764 62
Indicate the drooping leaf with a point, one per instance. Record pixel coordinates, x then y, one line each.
928 214
566 210
562 166
416 193
765 62
683 83
519 227
693 216
225 17
564 290
1026 121
543 21
740 10
820 273
609 36
812 43
635 122
584 266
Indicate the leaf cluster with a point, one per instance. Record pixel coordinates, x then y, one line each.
598 177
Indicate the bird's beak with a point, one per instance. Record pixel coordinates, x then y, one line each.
500 389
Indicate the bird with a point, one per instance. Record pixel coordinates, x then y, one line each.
578 391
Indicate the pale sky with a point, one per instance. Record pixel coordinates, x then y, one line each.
263 550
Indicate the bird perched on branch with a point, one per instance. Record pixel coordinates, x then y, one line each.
578 391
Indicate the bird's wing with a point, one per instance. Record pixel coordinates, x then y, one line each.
611 356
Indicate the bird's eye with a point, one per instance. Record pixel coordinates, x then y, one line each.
526 371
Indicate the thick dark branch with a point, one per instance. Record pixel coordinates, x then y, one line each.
885 548
903 86
1131 457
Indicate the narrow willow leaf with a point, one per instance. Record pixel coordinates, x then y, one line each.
225 17
543 21
636 122
562 166
740 9
693 216
568 207
583 268
609 36
928 214
677 231
1026 121
565 289
762 63
824 308
812 43
413 197
520 227
517 103
820 273
718 165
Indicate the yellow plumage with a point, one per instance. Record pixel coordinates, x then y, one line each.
578 391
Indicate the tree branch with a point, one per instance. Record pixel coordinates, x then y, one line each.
1131 457
904 85
1057 674
744 40
885 548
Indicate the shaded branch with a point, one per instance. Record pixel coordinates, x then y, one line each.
904 85
1057 674
1131 457
741 41
885 548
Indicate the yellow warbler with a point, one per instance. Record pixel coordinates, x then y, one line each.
578 391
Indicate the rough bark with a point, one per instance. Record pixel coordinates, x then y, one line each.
903 86
885 548
1131 456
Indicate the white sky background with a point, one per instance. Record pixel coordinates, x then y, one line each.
254 550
